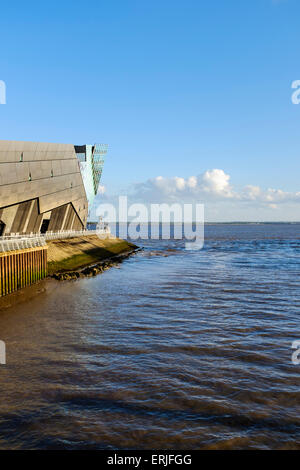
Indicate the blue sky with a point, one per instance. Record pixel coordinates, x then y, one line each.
176 88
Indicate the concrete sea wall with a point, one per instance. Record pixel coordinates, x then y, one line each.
79 252
24 267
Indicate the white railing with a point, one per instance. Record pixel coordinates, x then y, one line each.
105 232
17 241
12 244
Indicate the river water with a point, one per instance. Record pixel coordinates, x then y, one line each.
174 349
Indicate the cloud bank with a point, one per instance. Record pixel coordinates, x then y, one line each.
213 185
223 202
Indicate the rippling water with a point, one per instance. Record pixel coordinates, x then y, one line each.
174 350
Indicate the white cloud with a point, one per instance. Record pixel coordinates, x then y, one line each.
192 181
252 192
180 183
101 189
217 182
214 189
213 184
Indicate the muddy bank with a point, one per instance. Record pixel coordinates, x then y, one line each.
27 293
81 254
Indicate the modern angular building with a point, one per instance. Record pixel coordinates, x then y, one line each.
47 186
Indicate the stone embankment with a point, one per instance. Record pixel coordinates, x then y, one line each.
86 256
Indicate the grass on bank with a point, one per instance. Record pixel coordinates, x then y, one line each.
77 253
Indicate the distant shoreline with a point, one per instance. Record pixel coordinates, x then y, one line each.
211 223
251 223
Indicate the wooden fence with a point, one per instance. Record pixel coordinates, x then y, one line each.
22 268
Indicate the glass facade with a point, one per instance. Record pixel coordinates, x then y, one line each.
91 161
99 151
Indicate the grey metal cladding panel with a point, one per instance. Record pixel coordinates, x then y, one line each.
12 194
9 156
19 172
6 145
26 145
21 217
38 223
34 216
70 221
8 174
76 224
12 156
50 201
45 166
81 208
57 167
57 217
76 196
12 150
66 184
69 211
80 203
